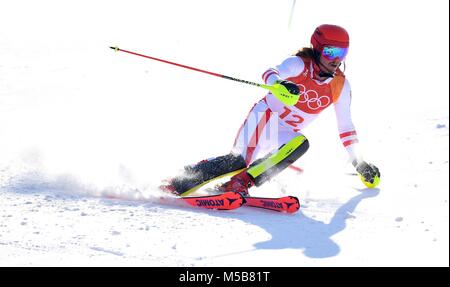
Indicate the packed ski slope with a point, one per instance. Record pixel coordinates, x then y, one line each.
87 134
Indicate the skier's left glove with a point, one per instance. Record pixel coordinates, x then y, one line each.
369 173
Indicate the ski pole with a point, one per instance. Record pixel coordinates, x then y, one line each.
292 13
279 91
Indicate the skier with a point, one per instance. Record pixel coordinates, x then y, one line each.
270 138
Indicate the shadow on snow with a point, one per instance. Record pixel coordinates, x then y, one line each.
302 232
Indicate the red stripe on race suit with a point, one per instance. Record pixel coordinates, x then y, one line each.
347 143
255 138
267 74
346 134
242 126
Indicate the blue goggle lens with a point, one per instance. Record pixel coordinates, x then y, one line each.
332 53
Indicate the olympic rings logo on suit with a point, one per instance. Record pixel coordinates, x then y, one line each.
312 99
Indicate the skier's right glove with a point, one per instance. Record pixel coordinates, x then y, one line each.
290 86
369 173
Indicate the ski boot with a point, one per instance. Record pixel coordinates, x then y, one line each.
241 182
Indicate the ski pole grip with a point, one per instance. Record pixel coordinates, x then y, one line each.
282 94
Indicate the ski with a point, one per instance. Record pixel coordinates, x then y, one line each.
224 201
288 204
234 200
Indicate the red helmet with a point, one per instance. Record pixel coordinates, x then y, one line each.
330 36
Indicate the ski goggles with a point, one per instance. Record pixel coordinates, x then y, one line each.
331 53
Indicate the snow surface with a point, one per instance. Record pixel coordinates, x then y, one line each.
86 134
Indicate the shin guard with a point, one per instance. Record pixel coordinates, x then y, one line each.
264 169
